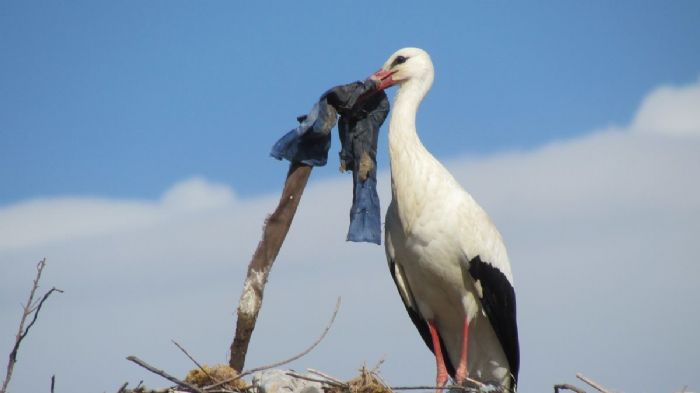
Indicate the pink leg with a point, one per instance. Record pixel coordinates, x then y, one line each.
441 378
461 373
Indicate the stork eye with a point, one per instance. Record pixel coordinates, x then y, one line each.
399 60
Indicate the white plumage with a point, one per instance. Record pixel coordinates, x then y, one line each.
446 256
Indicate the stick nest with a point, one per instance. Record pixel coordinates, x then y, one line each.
367 382
210 375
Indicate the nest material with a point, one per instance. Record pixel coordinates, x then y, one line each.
215 374
366 382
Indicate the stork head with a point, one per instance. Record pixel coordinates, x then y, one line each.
404 66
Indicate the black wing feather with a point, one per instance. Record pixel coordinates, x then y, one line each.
498 302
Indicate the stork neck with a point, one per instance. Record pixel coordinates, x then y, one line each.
410 161
402 128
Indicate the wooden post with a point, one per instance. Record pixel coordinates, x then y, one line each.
274 232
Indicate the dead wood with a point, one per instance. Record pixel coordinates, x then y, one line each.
164 374
31 308
566 386
291 359
274 232
595 385
201 368
592 383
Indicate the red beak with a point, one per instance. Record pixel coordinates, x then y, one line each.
383 79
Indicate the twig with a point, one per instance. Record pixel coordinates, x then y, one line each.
448 387
328 377
31 307
36 310
307 350
163 374
566 386
122 389
377 366
591 382
53 382
145 389
475 382
375 373
326 381
195 362
274 232
476 388
293 358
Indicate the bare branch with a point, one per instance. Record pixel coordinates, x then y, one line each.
326 381
477 387
122 389
31 307
163 374
293 358
566 386
307 350
195 362
248 372
144 389
592 383
36 311
448 387
475 382
326 376
274 232
377 366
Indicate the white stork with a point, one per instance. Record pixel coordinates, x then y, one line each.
445 255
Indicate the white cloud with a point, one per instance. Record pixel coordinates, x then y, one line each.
197 193
670 110
39 221
601 232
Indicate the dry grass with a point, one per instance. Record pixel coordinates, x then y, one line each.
367 382
214 374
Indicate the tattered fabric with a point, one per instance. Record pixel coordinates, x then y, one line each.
362 111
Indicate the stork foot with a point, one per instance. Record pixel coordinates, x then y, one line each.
441 380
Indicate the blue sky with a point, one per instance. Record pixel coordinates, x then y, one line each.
123 99
134 140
